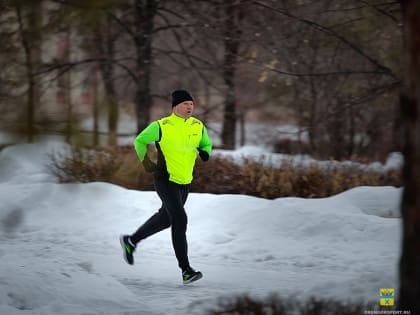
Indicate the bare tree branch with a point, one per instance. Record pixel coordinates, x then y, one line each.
334 34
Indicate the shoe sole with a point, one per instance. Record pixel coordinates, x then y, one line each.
124 252
198 276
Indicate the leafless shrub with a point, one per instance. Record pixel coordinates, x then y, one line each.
275 305
221 175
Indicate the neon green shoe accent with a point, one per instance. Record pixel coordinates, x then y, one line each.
187 276
127 248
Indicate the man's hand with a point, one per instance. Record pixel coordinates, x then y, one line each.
148 165
203 155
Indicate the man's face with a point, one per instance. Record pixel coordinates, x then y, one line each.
184 109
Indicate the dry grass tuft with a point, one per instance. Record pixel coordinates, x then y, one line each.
275 305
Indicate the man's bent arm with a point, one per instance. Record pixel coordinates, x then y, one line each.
205 146
148 135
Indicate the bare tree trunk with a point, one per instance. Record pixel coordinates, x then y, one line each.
242 128
145 11
66 86
410 120
104 45
313 117
31 41
95 107
352 131
232 35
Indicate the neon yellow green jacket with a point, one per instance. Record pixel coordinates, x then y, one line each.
177 141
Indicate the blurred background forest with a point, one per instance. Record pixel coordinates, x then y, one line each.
330 67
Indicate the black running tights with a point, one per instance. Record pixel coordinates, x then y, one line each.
171 214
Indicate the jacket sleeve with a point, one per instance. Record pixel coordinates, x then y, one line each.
205 146
149 135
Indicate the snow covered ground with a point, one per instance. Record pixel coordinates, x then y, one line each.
60 253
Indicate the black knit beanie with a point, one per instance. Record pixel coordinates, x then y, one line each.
180 96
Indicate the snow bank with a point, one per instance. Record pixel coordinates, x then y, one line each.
260 154
60 252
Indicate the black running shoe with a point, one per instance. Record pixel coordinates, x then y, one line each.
128 249
190 275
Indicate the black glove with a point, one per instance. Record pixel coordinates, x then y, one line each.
203 155
149 165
